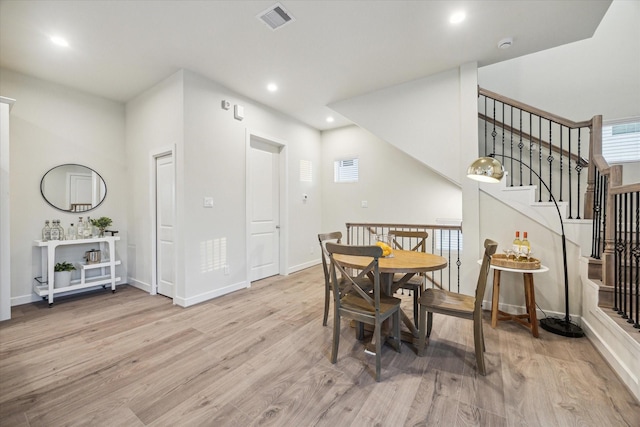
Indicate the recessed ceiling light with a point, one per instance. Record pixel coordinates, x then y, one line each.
329 119
457 17
272 87
59 41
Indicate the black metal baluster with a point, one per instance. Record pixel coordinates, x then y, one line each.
578 169
561 157
503 125
493 132
550 161
624 283
530 148
569 172
485 128
511 147
636 255
458 261
520 145
616 255
540 160
595 243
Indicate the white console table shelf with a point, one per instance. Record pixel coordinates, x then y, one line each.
45 287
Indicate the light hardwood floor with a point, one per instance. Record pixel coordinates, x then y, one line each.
261 357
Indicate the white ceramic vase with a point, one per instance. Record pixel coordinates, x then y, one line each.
61 279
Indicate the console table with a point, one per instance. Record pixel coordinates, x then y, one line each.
45 286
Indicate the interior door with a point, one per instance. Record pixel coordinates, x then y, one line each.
80 188
265 210
165 217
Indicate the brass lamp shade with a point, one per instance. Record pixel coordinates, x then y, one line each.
486 169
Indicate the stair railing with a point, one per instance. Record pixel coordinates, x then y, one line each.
554 147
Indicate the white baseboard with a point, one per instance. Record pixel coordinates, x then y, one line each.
188 302
140 285
303 266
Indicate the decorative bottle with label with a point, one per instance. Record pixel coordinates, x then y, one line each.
88 229
55 231
80 229
515 247
46 231
71 232
525 247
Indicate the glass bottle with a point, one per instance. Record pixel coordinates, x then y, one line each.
60 229
525 247
46 231
517 243
55 231
88 229
71 232
80 229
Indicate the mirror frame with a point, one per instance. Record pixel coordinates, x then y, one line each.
104 183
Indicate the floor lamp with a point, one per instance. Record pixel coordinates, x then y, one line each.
489 169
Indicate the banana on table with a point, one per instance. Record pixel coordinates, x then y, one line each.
386 249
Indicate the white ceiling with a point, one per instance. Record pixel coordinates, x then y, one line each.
334 50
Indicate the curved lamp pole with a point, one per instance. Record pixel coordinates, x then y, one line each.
489 169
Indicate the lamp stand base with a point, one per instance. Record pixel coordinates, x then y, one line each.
561 327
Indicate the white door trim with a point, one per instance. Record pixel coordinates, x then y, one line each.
153 156
284 200
5 224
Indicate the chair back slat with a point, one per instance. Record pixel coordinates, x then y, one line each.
374 252
401 238
490 248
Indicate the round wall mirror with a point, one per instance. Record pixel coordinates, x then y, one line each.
73 188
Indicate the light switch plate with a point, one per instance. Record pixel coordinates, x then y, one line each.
238 112
207 202
364 204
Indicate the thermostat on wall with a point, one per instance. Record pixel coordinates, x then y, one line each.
238 112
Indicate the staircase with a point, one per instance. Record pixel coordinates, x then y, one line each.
591 205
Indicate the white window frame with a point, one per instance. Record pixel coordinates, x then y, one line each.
345 173
623 147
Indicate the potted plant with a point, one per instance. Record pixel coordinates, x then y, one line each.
62 274
101 224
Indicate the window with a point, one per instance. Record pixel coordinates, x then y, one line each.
346 170
621 141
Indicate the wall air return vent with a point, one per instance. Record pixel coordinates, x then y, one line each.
276 16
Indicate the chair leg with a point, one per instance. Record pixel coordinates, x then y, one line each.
378 337
416 308
422 330
429 323
478 341
397 333
336 337
326 305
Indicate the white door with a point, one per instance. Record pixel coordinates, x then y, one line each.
265 210
165 246
80 188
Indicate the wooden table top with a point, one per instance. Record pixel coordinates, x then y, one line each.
400 262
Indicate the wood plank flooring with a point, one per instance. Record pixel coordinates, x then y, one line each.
260 356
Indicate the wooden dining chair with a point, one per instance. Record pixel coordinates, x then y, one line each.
365 283
458 305
353 302
410 241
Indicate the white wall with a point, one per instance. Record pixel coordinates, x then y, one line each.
154 126
421 117
582 79
215 155
52 125
185 111
397 187
500 222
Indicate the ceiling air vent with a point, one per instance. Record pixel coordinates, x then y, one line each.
276 16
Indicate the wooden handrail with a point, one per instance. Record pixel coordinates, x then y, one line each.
622 189
579 160
544 114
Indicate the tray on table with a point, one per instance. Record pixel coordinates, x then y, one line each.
501 260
